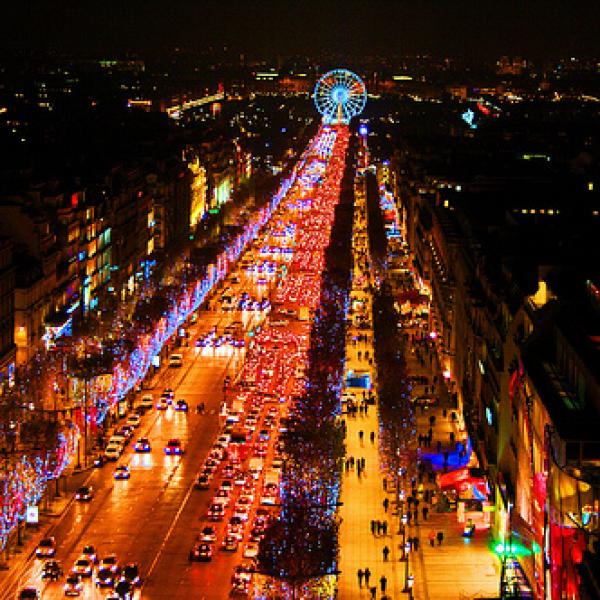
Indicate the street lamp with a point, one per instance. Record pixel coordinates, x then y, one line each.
410 582
406 576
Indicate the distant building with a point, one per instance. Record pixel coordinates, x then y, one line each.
7 315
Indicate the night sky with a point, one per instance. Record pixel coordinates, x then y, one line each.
533 28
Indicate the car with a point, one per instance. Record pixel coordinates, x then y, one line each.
174 447
131 572
226 484
211 465
235 527
89 552
122 472
83 567
124 589
29 593
162 403
143 445
147 401
113 451
202 483
176 360
126 431
230 543
134 420
251 550
424 400
216 512
217 453
242 507
181 405
242 575
222 496
168 392
106 577
240 589
240 478
46 548
99 461
52 570
73 585
84 493
110 562
201 552
208 535
119 437
256 534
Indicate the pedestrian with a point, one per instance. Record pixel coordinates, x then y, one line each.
372 437
352 462
384 527
440 537
409 500
358 469
416 516
415 543
373 525
432 536
386 504
385 484
367 575
424 511
383 583
363 463
361 434
360 575
373 591
386 553
408 516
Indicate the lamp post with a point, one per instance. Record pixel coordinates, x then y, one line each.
406 576
410 582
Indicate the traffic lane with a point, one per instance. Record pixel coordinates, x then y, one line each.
172 571
149 473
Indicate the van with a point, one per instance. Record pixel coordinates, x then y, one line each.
176 360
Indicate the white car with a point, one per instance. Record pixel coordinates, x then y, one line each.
134 420
113 451
251 550
176 360
83 566
147 401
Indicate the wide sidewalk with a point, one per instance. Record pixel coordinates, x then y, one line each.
458 568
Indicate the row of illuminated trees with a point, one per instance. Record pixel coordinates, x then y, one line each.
300 548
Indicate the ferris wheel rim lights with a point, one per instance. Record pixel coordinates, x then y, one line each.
340 95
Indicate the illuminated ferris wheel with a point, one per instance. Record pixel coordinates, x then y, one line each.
340 95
